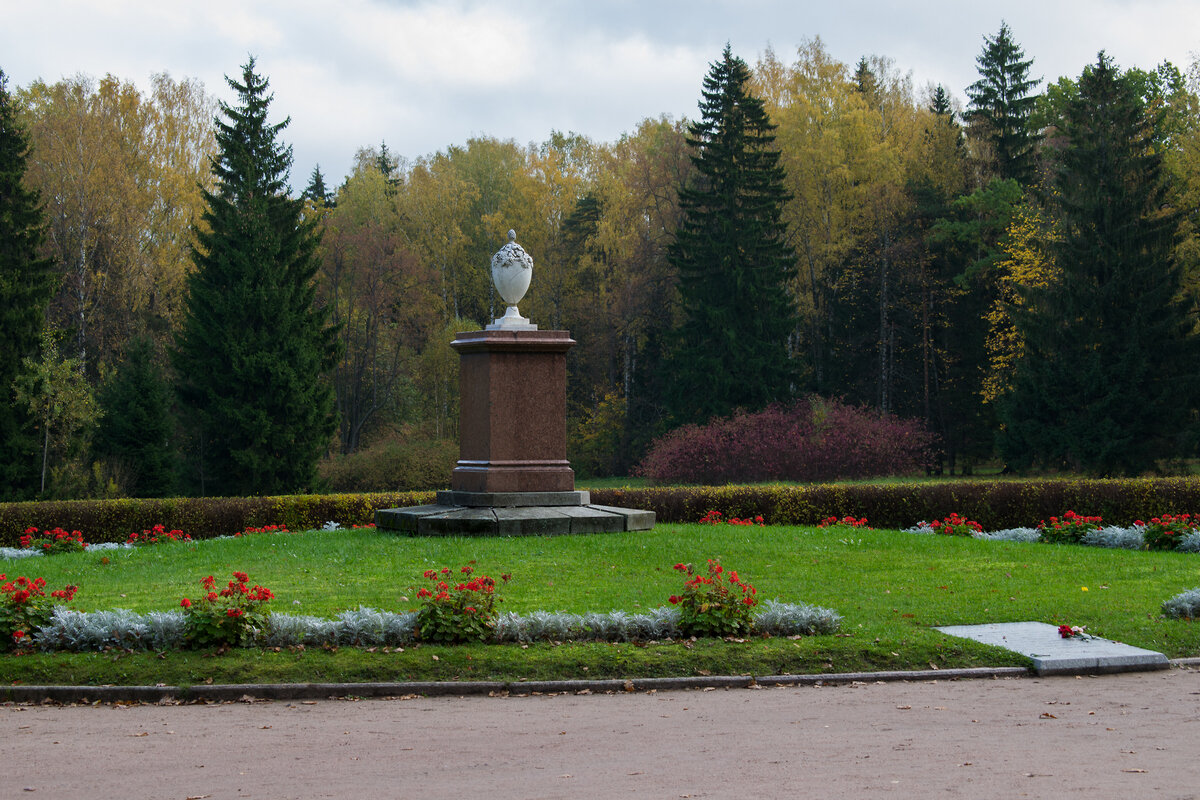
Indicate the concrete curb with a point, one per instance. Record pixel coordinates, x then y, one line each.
323 691
252 692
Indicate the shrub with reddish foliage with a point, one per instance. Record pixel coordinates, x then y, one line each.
813 440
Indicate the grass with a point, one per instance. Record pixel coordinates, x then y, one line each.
890 587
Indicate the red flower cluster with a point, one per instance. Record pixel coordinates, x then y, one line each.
1171 519
24 608
956 525
264 529
441 589
52 541
237 589
1068 519
716 604
228 616
1164 531
1070 527
457 610
847 521
715 518
156 535
1071 631
22 590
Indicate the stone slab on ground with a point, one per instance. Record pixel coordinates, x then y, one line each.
1054 655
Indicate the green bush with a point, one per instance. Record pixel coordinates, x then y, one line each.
406 463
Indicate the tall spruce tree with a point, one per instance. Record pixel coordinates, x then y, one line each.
1001 104
253 354
26 285
316 190
940 103
733 259
136 429
1110 365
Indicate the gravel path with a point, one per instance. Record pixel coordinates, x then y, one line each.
1130 735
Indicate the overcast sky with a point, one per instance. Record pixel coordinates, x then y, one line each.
426 75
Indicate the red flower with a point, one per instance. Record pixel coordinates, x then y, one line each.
185 603
234 612
241 576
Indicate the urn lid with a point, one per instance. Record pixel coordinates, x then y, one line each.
512 255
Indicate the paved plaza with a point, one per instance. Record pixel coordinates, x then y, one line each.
1125 735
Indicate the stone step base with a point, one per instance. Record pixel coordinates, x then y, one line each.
529 520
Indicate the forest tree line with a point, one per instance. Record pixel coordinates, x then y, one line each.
921 231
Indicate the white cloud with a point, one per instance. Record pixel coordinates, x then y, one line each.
427 74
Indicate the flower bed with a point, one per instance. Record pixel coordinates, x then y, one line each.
80 631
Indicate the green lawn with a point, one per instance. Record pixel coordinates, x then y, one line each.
890 587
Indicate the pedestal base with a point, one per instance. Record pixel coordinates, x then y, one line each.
512 514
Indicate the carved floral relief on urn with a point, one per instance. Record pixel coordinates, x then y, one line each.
512 269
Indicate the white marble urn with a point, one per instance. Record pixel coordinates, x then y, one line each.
512 269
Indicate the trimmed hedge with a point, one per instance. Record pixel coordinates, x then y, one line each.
994 504
201 518
997 504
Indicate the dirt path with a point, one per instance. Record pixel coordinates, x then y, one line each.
1130 735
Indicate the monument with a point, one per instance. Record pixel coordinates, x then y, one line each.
512 477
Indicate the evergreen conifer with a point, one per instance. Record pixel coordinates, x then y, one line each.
26 285
733 259
1000 106
1110 364
254 354
136 427
316 190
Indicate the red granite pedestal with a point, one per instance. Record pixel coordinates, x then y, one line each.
512 476
512 428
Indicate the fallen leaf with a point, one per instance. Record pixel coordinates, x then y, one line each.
1048 715
1134 770
904 708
